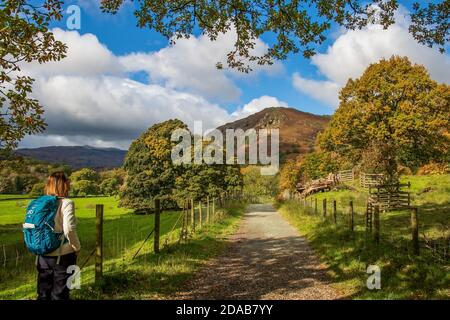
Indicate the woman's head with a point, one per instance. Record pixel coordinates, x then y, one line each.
57 185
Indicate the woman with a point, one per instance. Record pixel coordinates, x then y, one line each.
52 277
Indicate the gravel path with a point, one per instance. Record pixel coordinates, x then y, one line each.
267 259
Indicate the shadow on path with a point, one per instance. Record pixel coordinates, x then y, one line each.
267 259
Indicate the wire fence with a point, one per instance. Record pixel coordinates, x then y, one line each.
353 216
125 238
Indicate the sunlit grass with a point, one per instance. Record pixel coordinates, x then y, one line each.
124 233
348 254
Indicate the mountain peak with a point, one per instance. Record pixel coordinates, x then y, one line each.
298 129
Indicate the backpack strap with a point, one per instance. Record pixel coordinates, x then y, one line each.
63 238
60 248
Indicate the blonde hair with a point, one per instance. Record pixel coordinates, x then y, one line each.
57 185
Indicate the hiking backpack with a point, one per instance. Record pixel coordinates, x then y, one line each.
38 230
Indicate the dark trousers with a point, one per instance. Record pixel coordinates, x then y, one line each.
52 277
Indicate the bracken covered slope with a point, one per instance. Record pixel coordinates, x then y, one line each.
298 130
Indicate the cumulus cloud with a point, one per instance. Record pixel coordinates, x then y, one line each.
354 50
326 91
190 64
90 97
113 109
86 56
257 105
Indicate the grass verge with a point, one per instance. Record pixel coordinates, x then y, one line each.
348 254
149 275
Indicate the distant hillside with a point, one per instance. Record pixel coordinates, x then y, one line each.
78 156
298 130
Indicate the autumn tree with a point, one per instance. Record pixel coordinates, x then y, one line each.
256 184
314 165
317 165
201 180
393 114
24 37
150 172
296 26
290 175
233 179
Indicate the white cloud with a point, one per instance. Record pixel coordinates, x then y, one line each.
190 64
86 56
90 99
113 110
326 91
257 105
354 50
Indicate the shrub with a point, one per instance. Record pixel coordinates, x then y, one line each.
405 171
37 189
85 174
434 168
318 165
83 188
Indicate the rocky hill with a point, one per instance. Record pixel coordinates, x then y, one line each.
298 130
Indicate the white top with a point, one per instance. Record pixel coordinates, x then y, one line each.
65 221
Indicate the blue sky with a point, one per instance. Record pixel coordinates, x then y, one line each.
121 35
119 79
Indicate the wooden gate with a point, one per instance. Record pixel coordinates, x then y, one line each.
367 180
390 197
345 175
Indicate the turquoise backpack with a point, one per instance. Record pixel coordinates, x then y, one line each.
38 230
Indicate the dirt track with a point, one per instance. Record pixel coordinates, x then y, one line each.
267 259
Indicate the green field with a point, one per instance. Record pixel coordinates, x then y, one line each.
12 214
13 196
403 275
124 232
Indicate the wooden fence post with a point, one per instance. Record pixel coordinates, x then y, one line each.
334 211
315 205
415 231
99 243
157 225
376 224
184 228
324 207
4 256
214 208
192 215
352 217
369 216
17 256
200 214
207 209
